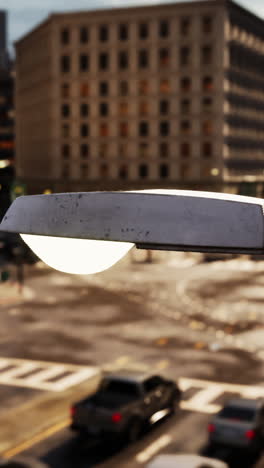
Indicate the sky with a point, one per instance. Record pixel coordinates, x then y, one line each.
24 15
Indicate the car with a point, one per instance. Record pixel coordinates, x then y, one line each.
124 404
185 461
240 423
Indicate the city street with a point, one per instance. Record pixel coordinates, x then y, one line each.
195 322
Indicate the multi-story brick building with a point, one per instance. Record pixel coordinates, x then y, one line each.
167 95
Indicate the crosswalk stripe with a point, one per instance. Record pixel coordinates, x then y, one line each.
203 398
3 363
42 375
45 374
57 377
75 378
17 371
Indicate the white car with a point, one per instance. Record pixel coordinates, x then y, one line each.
185 461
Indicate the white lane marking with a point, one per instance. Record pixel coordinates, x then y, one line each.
186 383
210 408
75 378
3 363
160 443
207 392
7 375
203 399
41 374
45 374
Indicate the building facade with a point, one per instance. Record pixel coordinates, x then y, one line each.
7 114
158 96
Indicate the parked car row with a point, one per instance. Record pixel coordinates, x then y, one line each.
126 403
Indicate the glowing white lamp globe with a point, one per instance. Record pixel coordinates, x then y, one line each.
77 256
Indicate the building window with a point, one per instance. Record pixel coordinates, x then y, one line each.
84 35
84 130
84 62
164 107
65 63
164 128
184 171
143 58
185 106
103 33
103 170
143 31
143 150
143 171
186 84
65 130
123 172
65 171
207 103
65 110
185 54
123 108
185 149
103 109
123 129
143 86
103 61
143 108
143 128
206 55
65 36
185 26
207 127
164 28
66 151
65 90
185 126
84 110
123 32
164 57
207 24
123 87
84 89
103 88
122 150
165 86
163 171
103 150
84 150
206 171
164 150
207 83
104 130
123 60
84 171
207 150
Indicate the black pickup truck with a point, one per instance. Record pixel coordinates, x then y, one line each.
123 405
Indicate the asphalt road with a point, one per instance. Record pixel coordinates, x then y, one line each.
176 316
183 433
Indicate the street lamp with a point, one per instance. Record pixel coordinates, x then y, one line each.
88 232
